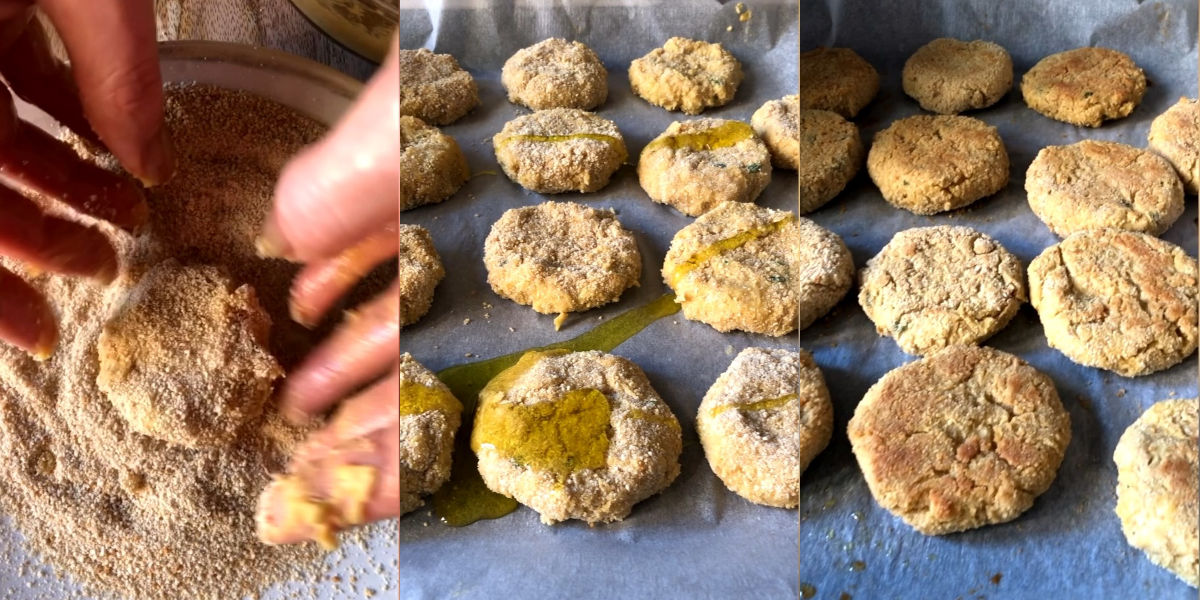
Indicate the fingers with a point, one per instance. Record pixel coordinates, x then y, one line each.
118 79
25 319
363 347
50 243
345 475
319 285
35 75
31 159
346 183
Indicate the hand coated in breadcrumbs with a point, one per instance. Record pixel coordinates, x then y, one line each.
950 76
931 164
695 165
833 154
434 88
578 435
1157 480
420 270
837 80
1175 134
933 287
560 150
560 257
686 75
966 437
555 73
429 417
1117 300
762 421
1084 86
432 167
1095 184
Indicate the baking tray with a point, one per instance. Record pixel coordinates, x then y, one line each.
1070 543
696 539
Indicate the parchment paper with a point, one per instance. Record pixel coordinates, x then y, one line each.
1069 545
696 539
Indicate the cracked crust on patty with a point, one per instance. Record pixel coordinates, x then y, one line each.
1084 86
930 164
964 438
1095 184
932 287
1157 480
1117 300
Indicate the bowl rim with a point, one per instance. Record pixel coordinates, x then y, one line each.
261 57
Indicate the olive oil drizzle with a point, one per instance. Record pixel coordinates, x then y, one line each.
711 251
464 499
760 405
416 398
721 136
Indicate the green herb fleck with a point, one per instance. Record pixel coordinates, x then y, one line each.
753 167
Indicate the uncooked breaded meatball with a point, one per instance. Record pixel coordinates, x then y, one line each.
185 359
686 75
555 73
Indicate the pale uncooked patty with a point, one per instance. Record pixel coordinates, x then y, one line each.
833 153
185 359
836 79
1084 86
780 273
931 164
561 257
950 76
560 150
432 167
696 165
758 430
555 73
429 417
1175 134
932 287
1094 184
1157 497
1117 300
420 270
434 88
963 438
777 124
686 75
643 440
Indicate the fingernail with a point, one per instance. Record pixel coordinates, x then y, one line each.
301 315
271 243
160 160
45 344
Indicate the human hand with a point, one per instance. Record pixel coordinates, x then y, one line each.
336 209
112 95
